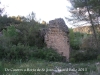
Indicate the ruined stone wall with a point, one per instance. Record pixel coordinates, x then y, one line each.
57 37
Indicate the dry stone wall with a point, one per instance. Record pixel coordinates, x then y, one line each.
57 37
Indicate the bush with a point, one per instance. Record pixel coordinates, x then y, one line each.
98 57
47 54
1 52
89 43
30 35
84 55
26 41
19 51
72 60
75 39
26 34
52 55
14 52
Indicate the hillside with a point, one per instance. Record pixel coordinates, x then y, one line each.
85 29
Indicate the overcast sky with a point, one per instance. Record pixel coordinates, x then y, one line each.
44 9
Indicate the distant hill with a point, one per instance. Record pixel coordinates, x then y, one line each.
85 29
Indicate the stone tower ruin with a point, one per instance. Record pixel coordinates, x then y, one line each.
57 37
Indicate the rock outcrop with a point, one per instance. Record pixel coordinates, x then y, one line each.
56 37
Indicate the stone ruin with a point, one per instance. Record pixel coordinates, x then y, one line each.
56 37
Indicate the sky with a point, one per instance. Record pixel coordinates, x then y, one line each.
44 9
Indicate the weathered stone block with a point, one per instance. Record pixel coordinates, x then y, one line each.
57 37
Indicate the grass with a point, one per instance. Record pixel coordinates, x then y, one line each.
42 67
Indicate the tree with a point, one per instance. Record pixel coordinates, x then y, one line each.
92 4
44 22
1 10
31 17
84 11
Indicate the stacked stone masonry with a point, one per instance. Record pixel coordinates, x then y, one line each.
57 37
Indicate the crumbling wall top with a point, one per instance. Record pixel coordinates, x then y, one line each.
59 22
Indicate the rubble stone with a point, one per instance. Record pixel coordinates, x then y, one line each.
57 37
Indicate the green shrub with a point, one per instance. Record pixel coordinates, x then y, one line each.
26 41
30 34
72 60
26 34
75 39
47 54
84 55
14 52
23 52
1 52
98 57
52 55
10 32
